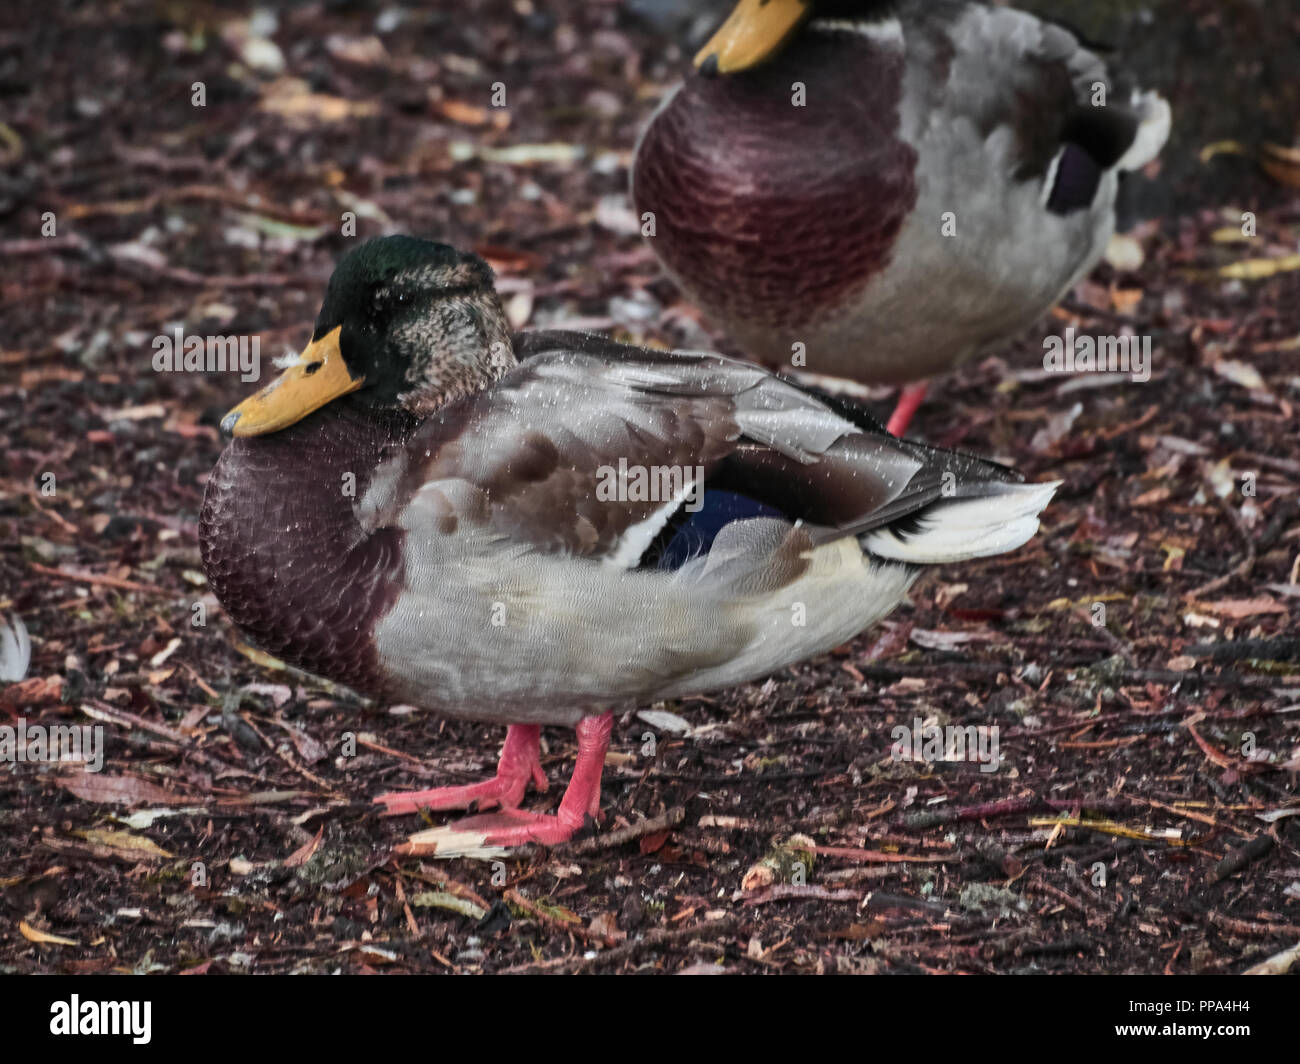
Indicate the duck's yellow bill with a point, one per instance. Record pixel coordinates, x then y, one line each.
319 376
752 33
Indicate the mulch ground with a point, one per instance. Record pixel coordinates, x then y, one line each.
1142 816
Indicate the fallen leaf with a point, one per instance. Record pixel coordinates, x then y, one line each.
1240 373
259 657
1124 253
117 790
1236 609
33 935
309 749
248 38
123 842
465 114
1259 269
506 259
1152 497
166 652
787 862
605 925
1057 428
1291 343
940 640
614 214
1281 164
1222 478
1278 964
1274 815
32 692
1223 147
859 932
1230 234
652 843
145 817
278 693
664 721
136 413
1125 300
894 639
290 99
518 154
303 853
364 51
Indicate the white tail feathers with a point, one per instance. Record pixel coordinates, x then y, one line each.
1153 130
967 528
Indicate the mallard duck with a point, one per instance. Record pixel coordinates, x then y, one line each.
433 511
896 185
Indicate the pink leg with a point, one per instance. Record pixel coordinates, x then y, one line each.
909 399
520 761
581 800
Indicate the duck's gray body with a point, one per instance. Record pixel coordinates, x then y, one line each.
946 178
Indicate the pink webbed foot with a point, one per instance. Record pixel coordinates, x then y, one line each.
520 761
476 835
516 828
909 399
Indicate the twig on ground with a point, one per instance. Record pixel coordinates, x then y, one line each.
666 822
1236 860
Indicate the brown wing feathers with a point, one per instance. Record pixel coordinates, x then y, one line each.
585 402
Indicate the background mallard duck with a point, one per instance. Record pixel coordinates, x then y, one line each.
946 176
433 533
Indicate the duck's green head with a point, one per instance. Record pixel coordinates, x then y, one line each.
757 29
406 323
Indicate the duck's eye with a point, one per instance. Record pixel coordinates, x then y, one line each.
380 308
311 368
